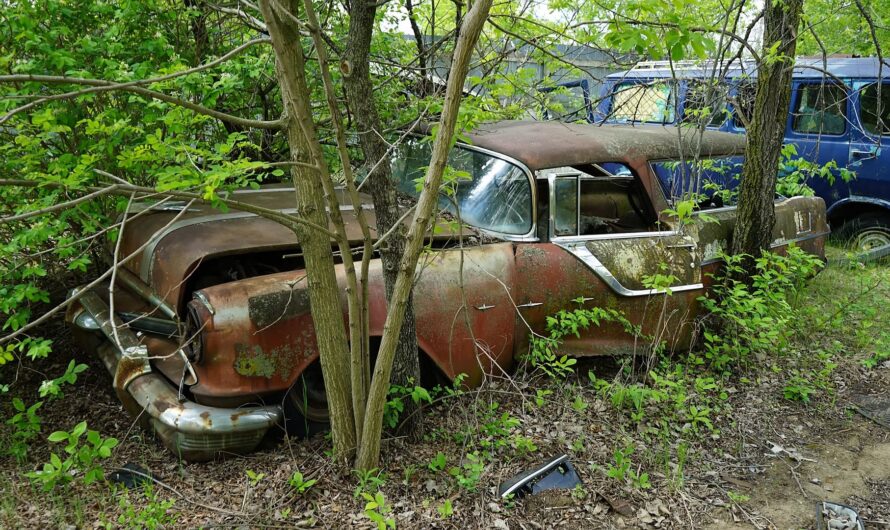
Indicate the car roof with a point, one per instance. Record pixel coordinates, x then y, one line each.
804 68
550 144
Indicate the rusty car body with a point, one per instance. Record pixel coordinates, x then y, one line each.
212 320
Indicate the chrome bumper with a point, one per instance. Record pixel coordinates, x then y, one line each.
192 431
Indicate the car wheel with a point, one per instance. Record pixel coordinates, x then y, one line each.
306 404
866 233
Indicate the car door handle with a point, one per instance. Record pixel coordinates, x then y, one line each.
859 153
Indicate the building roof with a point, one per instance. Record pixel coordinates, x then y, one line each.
549 144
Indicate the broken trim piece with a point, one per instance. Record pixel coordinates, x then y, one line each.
527 481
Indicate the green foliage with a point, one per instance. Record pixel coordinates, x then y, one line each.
369 481
621 469
149 514
300 484
395 403
83 459
438 462
468 474
25 428
445 509
378 511
753 320
53 388
254 477
544 350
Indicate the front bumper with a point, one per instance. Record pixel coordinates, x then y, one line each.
192 431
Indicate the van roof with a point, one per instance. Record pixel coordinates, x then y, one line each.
804 68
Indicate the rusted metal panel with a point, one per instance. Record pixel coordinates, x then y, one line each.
548 144
259 336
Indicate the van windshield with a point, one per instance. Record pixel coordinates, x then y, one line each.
483 190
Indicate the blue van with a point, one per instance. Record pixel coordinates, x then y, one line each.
839 112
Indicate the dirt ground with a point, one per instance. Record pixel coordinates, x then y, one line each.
771 462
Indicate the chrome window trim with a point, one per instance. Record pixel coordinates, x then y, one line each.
580 251
529 175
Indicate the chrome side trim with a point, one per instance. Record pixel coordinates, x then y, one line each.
626 235
580 251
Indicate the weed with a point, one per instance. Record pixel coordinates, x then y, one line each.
254 477
25 428
369 481
445 509
438 462
82 458
468 475
299 483
377 511
149 514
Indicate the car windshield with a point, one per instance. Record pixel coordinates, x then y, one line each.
485 191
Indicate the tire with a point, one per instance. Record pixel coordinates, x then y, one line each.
306 405
866 232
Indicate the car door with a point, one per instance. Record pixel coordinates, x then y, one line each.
818 125
868 155
622 264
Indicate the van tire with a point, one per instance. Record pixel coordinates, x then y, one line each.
866 232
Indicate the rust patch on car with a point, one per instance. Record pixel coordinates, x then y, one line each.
268 308
253 361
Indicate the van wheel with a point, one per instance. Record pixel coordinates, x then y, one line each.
306 404
866 232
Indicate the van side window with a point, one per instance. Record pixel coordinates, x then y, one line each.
875 117
653 102
743 103
819 109
705 102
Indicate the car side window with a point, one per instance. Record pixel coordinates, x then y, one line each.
875 114
595 199
705 103
565 213
820 109
743 103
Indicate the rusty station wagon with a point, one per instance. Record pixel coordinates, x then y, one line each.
216 341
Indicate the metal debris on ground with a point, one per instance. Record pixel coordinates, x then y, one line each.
557 473
131 475
833 516
876 408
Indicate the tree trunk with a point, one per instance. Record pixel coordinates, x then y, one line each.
324 292
756 212
359 90
369 451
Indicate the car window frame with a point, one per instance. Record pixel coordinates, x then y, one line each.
793 111
552 174
531 235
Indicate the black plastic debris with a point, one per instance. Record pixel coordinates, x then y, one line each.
558 473
834 516
130 476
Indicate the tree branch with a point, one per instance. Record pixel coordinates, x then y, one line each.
127 87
